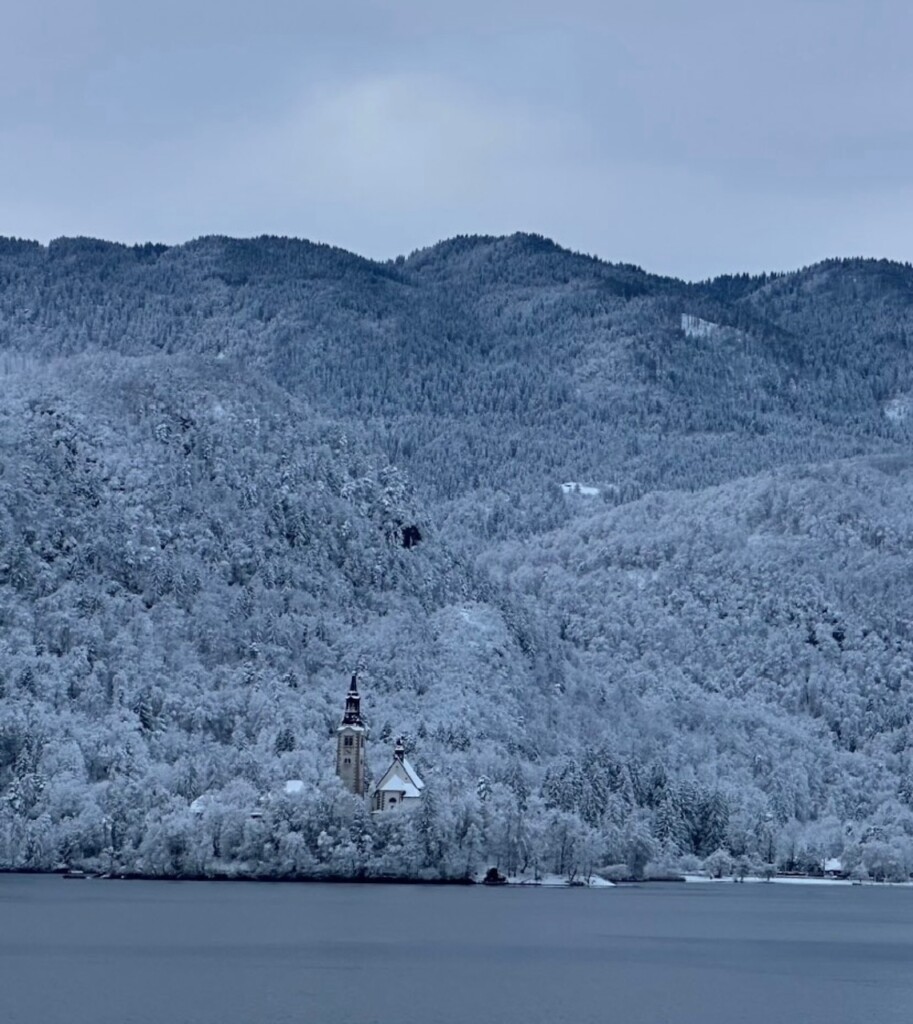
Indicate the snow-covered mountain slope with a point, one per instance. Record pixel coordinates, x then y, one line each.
212 455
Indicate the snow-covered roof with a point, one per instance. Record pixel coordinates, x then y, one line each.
293 786
203 801
397 785
400 777
413 775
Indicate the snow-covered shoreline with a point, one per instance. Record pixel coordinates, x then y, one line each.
563 882
792 880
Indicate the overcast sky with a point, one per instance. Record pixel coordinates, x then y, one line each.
690 136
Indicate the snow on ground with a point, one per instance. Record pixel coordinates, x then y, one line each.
695 327
779 881
805 881
898 409
561 881
586 491
795 881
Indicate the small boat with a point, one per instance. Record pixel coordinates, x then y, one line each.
74 873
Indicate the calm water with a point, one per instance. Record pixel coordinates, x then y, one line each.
96 952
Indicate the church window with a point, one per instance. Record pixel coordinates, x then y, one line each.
347 760
347 741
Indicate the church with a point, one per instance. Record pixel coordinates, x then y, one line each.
400 786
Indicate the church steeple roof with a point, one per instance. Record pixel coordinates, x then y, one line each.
352 715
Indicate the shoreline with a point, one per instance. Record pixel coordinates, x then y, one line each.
813 880
543 882
139 876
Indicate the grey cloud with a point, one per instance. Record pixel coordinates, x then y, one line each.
692 138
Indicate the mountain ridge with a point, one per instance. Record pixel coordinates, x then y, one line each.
543 243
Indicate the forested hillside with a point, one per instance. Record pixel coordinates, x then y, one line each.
233 471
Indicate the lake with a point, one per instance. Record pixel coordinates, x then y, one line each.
109 952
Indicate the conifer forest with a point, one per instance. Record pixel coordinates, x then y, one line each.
625 560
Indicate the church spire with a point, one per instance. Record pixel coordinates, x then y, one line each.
352 715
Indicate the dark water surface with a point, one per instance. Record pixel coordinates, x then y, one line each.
105 952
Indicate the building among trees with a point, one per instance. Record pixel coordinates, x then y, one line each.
399 787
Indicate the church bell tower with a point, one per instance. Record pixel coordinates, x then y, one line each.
350 743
